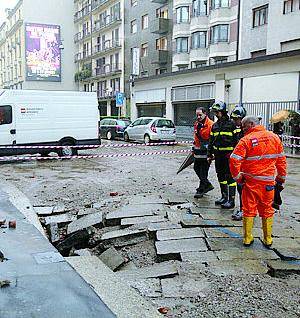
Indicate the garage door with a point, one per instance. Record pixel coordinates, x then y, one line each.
151 110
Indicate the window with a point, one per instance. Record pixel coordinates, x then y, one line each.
183 67
146 121
288 6
182 15
137 122
160 71
260 16
255 54
219 60
198 40
164 123
181 45
145 22
199 64
144 50
5 115
133 26
162 13
219 33
133 3
199 7
162 44
215 4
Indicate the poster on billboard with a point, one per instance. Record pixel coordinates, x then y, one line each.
43 57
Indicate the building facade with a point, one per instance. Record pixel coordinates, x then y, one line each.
205 32
99 53
35 43
269 27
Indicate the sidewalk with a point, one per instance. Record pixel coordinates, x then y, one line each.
42 284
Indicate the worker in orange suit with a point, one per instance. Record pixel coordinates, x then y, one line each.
258 162
202 129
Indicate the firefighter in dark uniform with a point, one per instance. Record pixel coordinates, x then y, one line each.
237 114
222 141
202 129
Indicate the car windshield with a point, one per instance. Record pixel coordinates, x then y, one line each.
124 123
164 123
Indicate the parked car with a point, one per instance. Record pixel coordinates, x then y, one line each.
111 128
149 129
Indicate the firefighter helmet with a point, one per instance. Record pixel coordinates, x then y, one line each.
238 112
218 106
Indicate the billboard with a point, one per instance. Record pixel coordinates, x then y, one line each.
43 56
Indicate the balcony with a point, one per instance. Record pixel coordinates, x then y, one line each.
219 49
160 1
160 26
199 23
106 47
81 56
104 94
181 29
81 35
222 14
97 3
100 25
199 54
160 57
181 59
82 13
107 70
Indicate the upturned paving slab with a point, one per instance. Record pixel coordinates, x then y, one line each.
87 211
278 267
153 227
197 221
143 220
285 243
85 221
146 199
129 211
201 257
237 267
176 234
121 234
149 287
61 218
246 254
159 270
123 300
112 258
43 210
178 246
290 253
216 244
180 287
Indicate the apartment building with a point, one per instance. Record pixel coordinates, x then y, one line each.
99 53
148 30
205 32
269 27
35 42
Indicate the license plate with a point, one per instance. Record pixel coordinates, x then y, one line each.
166 132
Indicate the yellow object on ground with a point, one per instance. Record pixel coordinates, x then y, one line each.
247 227
267 226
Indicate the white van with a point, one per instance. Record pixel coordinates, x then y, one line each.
34 118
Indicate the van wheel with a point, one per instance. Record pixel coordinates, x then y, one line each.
109 135
147 139
67 151
126 137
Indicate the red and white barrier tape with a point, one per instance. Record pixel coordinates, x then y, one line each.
290 137
291 145
98 146
152 153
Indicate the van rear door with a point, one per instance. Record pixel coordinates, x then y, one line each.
7 125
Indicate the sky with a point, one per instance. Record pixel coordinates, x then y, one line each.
6 4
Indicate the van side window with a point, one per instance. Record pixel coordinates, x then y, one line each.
5 115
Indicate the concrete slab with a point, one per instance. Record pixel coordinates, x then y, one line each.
112 258
129 211
86 211
143 220
82 252
60 208
176 234
237 267
121 233
124 301
197 221
43 210
246 254
146 199
201 257
177 199
208 214
85 221
175 216
149 287
61 218
287 253
195 270
216 244
284 267
285 243
153 227
179 287
159 270
178 246
54 233
128 266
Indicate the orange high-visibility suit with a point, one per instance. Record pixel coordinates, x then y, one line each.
257 161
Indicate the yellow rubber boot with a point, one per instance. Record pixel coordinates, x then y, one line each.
267 226
247 227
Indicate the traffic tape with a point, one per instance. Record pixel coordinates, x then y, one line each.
152 153
98 146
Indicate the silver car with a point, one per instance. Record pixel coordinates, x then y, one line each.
149 129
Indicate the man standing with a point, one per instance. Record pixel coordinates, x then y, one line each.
221 144
254 161
202 129
237 114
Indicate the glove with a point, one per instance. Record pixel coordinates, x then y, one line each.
277 201
199 126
